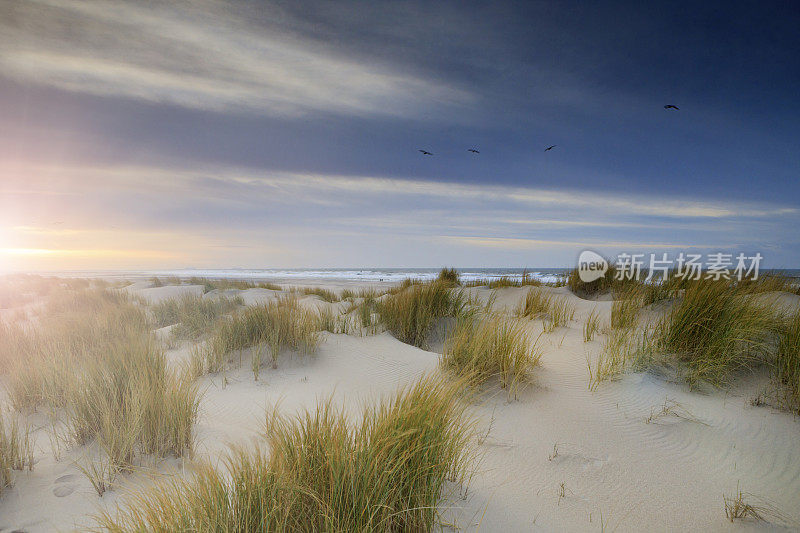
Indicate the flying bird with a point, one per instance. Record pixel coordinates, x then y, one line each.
549 148
670 106
425 152
473 150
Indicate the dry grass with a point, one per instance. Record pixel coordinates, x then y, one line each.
411 313
716 328
192 315
736 508
555 311
495 347
787 360
322 474
449 276
625 309
324 294
226 284
92 355
591 326
277 325
16 451
405 284
506 281
622 349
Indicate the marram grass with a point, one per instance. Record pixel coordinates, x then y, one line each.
192 314
93 356
555 311
625 309
388 473
479 350
16 450
449 276
787 360
279 324
591 326
716 328
411 313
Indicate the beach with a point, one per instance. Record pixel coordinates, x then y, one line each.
641 451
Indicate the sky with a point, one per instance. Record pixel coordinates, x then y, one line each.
206 134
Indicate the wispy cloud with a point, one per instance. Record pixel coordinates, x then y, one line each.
254 185
239 216
533 244
203 55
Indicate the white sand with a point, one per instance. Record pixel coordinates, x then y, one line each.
666 475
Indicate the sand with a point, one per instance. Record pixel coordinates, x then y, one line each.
558 458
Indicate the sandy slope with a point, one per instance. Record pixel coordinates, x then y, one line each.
665 475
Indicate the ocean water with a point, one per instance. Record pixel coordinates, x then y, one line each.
310 275
331 274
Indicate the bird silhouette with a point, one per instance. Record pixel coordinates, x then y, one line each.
549 148
473 150
425 152
670 106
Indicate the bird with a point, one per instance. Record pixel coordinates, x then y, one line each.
549 148
670 106
425 152
473 150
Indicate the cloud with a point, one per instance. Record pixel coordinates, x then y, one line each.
239 187
532 244
203 55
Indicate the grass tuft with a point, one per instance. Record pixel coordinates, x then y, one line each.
496 347
591 326
411 313
787 360
322 474
193 315
556 311
278 324
16 451
716 329
93 355
449 276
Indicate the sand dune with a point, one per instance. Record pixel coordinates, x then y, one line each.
643 453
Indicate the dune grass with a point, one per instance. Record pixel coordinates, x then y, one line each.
326 295
225 284
449 276
389 473
770 282
715 329
193 315
411 313
622 349
625 308
92 356
591 326
555 311
279 324
745 506
15 341
16 450
405 284
479 350
787 360
506 281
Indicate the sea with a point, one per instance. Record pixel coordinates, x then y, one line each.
325 274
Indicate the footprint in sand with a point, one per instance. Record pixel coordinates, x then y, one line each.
64 486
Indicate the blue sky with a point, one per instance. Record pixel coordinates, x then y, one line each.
281 134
